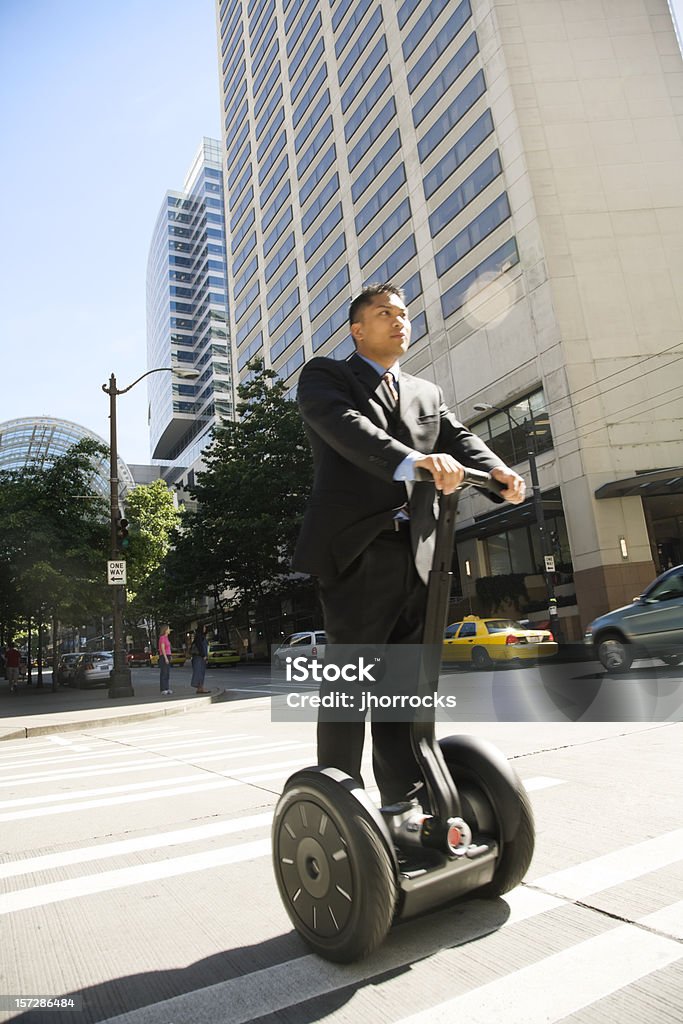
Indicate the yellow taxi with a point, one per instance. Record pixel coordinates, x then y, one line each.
177 658
221 654
485 642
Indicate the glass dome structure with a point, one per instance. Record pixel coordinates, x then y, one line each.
40 440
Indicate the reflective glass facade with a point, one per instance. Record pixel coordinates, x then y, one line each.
39 441
187 311
358 145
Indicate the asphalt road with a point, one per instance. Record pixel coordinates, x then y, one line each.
137 881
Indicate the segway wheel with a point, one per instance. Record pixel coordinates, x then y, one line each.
495 801
333 870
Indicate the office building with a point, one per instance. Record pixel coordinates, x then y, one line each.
187 316
516 167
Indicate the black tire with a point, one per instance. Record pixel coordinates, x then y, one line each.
614 653
672 659
333 870
481 658
479 799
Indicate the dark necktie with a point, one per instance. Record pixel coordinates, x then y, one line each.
390 389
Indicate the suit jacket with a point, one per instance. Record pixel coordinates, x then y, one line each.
358 441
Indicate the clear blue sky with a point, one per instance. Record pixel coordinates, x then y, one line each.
103 106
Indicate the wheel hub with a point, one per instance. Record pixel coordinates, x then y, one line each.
314 867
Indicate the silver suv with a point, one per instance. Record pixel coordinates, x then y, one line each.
309 644
650 627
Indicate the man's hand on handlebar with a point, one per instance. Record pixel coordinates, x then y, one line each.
446 471
515 487
447 474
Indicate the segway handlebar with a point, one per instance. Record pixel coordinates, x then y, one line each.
472 478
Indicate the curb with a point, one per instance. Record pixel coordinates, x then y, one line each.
186 707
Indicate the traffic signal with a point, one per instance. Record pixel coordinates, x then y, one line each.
122 533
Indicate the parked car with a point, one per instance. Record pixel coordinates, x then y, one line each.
221 654
94 669
137 658
66 668
309 644
485 642
650 627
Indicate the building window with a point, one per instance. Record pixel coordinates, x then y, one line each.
337 248
476 182
368 66
367 105
329 327
497 263
380 198
357 15
476 231
464 147
445 80
309 124
390 268
376 165
283 343
320 202
329 292
518 425
357 51
323 232
386 114
425 22
384 233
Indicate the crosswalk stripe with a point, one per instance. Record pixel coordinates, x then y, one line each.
550 990
118 751
150 761
613 868
120 878
123 847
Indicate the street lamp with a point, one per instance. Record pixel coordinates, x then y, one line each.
546 547
120 684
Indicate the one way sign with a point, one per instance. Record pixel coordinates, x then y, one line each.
116 572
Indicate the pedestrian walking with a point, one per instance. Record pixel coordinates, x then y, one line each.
200 656
165 662
12 663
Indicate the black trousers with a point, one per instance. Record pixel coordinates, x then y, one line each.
379 599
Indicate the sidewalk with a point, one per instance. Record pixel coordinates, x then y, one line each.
33 711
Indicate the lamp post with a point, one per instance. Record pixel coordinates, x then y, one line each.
120 682
546 547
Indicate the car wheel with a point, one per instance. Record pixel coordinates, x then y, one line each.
481 658
614 654
672 659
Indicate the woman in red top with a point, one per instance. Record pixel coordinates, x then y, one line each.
165 661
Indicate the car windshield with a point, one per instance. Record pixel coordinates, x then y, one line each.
502 625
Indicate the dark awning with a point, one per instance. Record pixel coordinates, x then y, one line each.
644 485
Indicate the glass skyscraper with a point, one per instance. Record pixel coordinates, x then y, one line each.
187 313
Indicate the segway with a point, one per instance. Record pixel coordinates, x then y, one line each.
346 870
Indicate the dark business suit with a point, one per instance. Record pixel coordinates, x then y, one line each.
372 577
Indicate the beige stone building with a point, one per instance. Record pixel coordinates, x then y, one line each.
517 165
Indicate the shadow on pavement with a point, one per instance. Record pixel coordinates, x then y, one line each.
267 977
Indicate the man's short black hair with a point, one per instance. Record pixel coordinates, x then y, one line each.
368 294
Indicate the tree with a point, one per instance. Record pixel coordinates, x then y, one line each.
154 516
251 496
53 540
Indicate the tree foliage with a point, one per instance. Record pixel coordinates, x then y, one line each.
53 540
154 517
251 496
